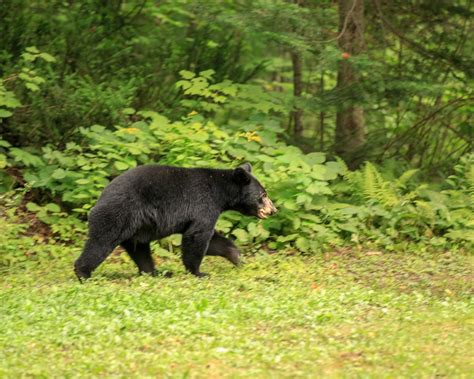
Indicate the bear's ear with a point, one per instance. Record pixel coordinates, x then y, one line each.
241 176
247 167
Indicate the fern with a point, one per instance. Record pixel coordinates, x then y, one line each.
386 192
426 210
470 181
376 188
406 176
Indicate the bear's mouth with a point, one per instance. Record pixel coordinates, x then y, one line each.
267 210
261 214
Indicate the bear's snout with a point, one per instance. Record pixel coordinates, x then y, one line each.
267 209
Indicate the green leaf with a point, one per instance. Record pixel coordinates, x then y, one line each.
28 159
314 158
121 165
184 84
302 244
80 196
128 111
319 172
3 161
59 173
32 207
82 181
24 76
462 234
287 238
187 74
47 57
349 226
241 235
303 198
211 44
290 204
313 188
28 57
53 207
333 169
32 86
4 113
9 100
207 74
32 49
407 175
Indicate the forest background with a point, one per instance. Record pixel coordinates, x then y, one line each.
305 90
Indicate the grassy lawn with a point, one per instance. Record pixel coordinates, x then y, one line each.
346 314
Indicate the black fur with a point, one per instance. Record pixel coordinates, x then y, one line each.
151 202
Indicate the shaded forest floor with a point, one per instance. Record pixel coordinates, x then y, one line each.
338 314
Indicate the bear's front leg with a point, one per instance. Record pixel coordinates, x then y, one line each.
194 246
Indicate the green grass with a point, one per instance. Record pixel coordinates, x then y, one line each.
344 314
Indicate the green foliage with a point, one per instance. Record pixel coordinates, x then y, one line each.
78 173
63 227
130 53
401 209
29 77
8 101
204 95
320 203
222 86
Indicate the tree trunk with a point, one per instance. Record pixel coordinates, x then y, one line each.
297 90
350 126
322 115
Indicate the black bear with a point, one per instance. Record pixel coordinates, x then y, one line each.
151 202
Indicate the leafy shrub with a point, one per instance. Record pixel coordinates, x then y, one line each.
297 181
400 209
321 203
26 75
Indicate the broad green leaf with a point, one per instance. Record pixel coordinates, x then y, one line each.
241 235
59 174
128 111
32 49
23 156
9 100
291 205
82 181
52 207
314 158
187 74
47 57
4 113
32 207
302 244
207 74
32 86
121 165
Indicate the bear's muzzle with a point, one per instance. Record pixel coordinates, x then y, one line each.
267 209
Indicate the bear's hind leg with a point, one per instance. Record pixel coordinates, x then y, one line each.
141 255
223 247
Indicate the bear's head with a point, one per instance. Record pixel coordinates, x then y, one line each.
253 199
